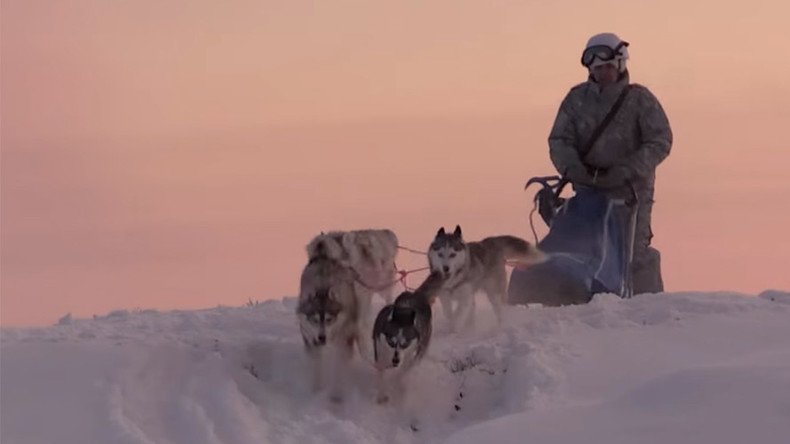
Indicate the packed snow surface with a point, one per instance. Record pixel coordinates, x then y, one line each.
666 368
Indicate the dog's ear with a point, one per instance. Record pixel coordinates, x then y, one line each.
457 232
440 233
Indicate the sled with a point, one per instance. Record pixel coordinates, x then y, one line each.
590 245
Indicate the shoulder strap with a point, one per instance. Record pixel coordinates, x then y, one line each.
604 123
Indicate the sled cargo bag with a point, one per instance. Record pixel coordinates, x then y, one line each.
588 250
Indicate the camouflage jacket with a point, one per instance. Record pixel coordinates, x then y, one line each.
639 136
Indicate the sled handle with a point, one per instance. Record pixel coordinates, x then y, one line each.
546 181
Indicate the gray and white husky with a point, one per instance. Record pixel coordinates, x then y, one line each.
472 267
370 254
328 315
401 336
344 269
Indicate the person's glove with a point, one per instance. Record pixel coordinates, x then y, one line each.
617 176
579 175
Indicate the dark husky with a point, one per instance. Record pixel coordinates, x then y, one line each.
401 335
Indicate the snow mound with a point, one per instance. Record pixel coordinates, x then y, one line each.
682 367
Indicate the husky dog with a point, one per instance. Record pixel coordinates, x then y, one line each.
472 267
328 313
370 255
402 333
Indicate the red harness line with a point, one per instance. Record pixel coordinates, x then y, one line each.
402 279
401 247
404 273
410 250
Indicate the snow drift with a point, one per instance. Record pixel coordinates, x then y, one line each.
675 367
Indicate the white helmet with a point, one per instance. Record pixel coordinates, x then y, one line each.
605 48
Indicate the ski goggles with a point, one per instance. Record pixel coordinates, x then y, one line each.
601 52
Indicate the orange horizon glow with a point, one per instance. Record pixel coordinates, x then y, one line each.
181 154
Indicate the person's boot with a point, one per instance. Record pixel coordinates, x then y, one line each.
647 272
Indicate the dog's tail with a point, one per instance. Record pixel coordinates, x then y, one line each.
326 245
515 249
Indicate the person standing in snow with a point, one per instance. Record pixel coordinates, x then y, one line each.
624 153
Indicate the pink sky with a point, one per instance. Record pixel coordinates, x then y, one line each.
181 154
